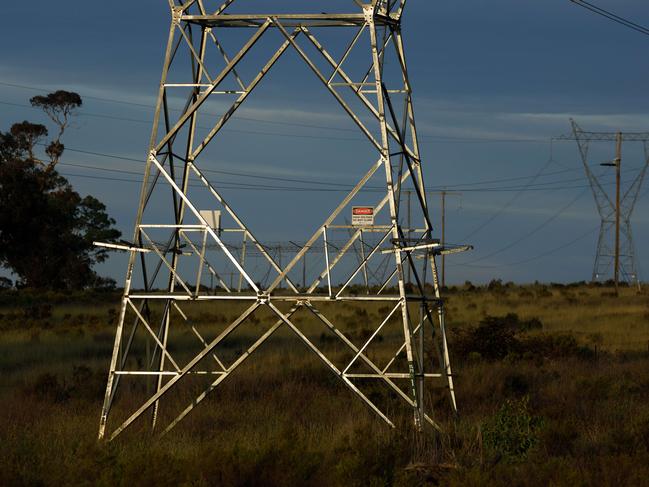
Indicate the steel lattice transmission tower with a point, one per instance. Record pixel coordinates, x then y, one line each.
208 57
615 257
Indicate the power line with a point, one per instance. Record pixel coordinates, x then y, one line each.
517 178
538 256
507 205
251 186
463 186
226 185
516 196
215 171
423 137
331 183
247 186
467 264
556 249
275 178
527 186
345 187
247 132
611 16
533 231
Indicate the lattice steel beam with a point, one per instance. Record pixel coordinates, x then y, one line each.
193 248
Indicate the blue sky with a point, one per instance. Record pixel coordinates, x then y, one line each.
504 69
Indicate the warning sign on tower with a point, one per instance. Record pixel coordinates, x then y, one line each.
362 216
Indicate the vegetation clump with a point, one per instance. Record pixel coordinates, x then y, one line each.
512 432
500 337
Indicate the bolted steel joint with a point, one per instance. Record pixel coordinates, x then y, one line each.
176 15
368 12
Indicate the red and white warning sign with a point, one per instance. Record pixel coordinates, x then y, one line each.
362 216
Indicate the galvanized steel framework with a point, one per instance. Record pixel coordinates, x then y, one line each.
175 149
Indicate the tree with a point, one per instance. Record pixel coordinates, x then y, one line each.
47 228
28 135
60 106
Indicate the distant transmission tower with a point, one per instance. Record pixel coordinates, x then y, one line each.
175 252
615 258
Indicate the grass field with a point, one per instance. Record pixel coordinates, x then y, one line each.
556 395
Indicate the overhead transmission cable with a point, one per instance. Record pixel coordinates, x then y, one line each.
247 132
250 186
518 194
467 264
532 232
272 122
546 253
257 176
507 204
611 16
235 185
550 185
292 180
463 186
555 249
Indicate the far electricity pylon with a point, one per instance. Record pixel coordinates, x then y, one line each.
615 258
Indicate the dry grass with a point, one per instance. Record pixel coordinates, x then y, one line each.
592 313
581 419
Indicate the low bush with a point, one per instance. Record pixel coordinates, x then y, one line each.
512 432
499 337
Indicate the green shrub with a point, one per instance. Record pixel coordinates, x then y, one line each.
512 432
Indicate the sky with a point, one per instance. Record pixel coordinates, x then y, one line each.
493 83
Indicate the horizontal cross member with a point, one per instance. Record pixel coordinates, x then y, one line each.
436 248
295 298
124 247
290 20
421 241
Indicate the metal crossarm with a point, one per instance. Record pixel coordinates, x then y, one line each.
182 261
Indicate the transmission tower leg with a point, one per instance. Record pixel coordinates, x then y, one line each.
109 394
632 267
179 207
441 315
417 395
601 242
444 356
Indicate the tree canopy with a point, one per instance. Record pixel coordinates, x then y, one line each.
46 228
